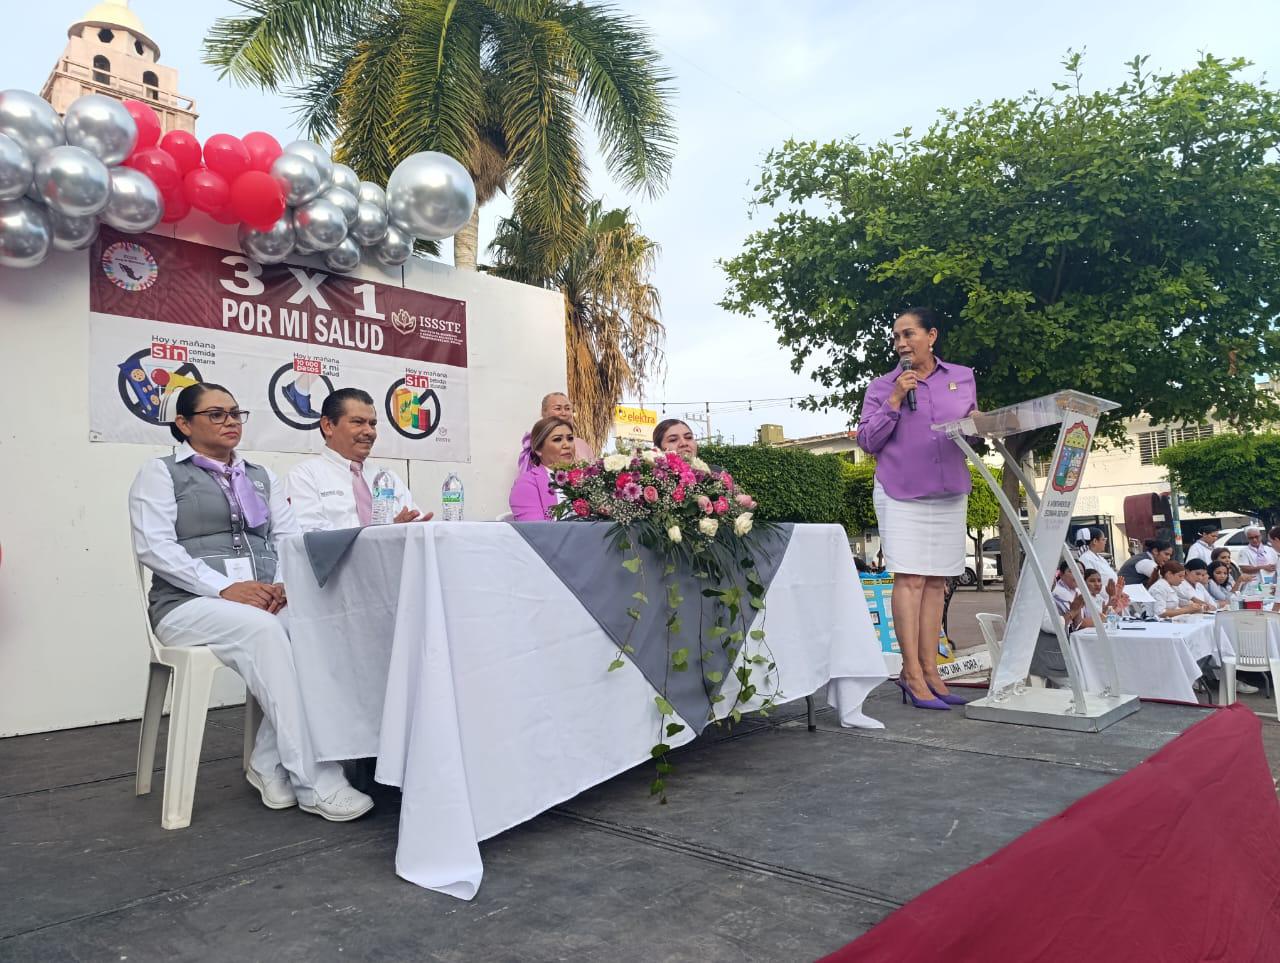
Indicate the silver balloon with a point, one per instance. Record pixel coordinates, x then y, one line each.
318 156
394 249
101 126
430 195
343 258
299 246
371 193
371 224
16 169
270 246
25 234
31 121
298 178
135 205
73 233
346 178
344 201
72 181
320 225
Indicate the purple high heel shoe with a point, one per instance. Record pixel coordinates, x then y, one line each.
949 698
919 703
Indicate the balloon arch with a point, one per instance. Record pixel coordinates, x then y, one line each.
106 162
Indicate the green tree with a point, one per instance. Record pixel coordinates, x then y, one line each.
1238 473
1123 242
983 515
503 86
613 335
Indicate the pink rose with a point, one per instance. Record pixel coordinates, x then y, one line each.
727 479
674 461
742 498
575 477
704 503
581 508
678 494
624 479
721 506
650 493
687 478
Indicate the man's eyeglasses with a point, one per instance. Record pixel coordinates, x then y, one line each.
219 415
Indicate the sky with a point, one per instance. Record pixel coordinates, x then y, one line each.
748 75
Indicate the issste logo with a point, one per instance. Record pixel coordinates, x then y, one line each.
129 266
403 321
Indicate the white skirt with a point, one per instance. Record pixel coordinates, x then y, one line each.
922 536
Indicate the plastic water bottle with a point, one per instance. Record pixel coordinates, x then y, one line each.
451 498
384 498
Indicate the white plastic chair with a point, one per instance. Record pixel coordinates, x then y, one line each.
992 627
192 669
1249 632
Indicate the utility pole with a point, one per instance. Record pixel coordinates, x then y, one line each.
1173 502
703 421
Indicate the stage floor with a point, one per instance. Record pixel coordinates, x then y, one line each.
778 844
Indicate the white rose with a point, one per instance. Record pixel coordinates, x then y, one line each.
700 465
673 533
616 462
649 455
742 524
709 527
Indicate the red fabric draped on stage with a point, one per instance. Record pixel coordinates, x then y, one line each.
1177 860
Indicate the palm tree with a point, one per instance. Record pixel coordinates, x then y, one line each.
612 333
499 84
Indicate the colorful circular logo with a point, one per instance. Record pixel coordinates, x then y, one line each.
413 412
129 266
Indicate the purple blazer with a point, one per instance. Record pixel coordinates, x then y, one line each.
531 496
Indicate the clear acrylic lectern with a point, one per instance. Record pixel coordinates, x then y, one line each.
1044 543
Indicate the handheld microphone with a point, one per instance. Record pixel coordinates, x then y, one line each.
905 365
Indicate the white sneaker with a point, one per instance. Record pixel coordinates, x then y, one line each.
1245 689
276 793
346 804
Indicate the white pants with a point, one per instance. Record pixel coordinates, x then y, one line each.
256 644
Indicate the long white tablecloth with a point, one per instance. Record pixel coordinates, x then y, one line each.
458 658
1154 660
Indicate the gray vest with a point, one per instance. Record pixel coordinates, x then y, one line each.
1129 570
205 530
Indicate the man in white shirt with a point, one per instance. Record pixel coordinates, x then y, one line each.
556 403
334 489
1203 548
1260 559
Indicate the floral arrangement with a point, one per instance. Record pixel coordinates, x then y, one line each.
699 522
685 501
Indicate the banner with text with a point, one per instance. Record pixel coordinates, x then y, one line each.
165 313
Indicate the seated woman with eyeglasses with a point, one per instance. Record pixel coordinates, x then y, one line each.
208 525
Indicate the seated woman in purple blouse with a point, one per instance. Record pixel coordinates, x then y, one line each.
921 493
550 444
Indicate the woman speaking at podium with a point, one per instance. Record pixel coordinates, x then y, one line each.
921 493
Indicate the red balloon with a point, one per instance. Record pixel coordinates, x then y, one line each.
207 190
257 199
148 122
158 166
226 155
183 147
263 150
225 216
176 207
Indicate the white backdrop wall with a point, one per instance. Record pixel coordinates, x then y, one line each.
72 649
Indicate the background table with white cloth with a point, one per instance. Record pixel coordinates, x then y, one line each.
1154 660
457 657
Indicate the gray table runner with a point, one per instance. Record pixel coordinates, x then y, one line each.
326 550
580 556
